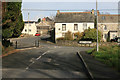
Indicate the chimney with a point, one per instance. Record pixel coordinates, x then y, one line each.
58 11
93 11
44 19
98 12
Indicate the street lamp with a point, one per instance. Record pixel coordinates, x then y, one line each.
97 26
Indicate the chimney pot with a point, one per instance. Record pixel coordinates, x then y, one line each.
93 11
58 11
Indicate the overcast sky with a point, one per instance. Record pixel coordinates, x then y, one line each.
61 5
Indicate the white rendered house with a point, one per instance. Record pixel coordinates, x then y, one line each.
29 28
73 22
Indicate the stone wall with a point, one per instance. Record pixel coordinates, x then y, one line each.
76 44
73 43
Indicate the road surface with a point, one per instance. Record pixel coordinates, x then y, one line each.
46 61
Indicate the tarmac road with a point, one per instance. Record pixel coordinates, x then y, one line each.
47 61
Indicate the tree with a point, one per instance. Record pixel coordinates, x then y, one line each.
91 34
12 20
39 20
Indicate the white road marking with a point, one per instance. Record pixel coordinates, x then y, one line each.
36 60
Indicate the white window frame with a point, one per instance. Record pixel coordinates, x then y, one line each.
84 26
63 27
75 27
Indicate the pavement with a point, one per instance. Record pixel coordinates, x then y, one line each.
99 70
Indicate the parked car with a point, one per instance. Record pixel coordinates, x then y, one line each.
117 39
37 34
21 35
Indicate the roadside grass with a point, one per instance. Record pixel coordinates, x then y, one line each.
5 50
109 55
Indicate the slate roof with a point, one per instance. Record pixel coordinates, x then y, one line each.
74 17
108 18
48 19
44 23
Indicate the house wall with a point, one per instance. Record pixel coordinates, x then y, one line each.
111 35
28 27
70 27
110 27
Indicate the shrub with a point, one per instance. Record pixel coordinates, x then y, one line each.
91 34
61 38
68 36
78 35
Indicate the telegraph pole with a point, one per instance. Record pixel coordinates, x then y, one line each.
97 25
28 23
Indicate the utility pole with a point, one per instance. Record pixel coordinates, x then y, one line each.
28 23
97 25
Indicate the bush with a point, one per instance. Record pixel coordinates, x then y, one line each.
78 35
91 35
68 36
61 38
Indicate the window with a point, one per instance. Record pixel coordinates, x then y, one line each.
105 27
63 27
84 26
63 34
105 36
114 36
29 30
75 27
103 17
38 27
25 30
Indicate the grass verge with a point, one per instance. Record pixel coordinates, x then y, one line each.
109 55
7 49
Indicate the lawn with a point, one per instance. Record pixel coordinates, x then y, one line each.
109 55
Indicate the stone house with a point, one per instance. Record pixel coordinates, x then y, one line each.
73 22
108 26
44 26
